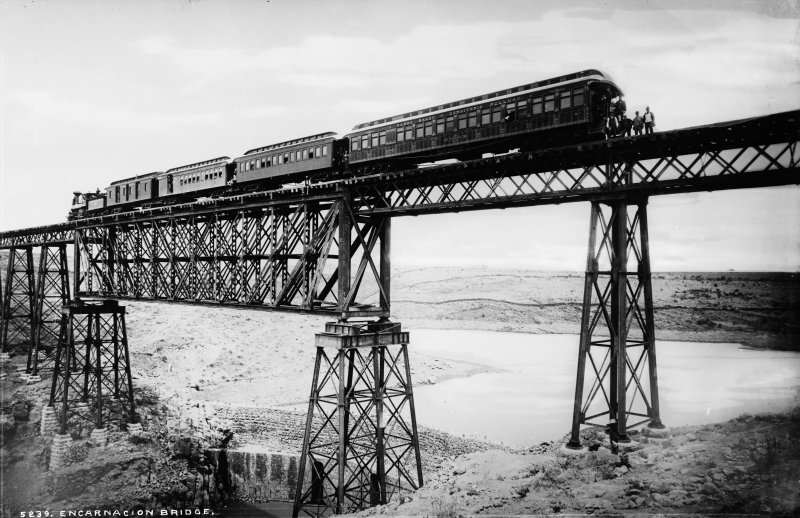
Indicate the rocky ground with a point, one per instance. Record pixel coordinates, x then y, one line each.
189 358
750 465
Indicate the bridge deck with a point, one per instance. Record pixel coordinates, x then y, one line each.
755 152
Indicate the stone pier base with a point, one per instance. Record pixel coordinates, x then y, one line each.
100 437
59 450
656 433
49 423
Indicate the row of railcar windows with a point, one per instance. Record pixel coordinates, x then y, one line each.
478 117
285 158
199 177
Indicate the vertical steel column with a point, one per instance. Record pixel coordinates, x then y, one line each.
345 253
617 341
2 302
20 295
619 331
645 278
386 265
590 280
76 261
378 362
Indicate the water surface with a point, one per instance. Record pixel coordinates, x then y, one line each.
531 400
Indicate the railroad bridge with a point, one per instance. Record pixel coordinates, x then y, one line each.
326 247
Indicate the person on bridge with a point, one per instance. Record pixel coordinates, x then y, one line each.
620 108
610 128
649 121
638 124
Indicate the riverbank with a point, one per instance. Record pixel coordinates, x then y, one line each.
759 310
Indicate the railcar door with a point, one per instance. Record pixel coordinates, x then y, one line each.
600 106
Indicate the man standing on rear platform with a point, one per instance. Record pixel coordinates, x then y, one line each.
649 121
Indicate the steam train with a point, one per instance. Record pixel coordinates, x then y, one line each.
557 111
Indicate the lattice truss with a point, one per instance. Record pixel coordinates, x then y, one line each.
274 256
361 444
52 294
18 301
61 233
92 377
536 176
617 357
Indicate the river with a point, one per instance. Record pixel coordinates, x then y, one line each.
530 400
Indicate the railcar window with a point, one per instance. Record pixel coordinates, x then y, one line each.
577 97
537 105
364 141
450 124
305 154
522 108
420 130
439 126
428 128
549 102
263 162
409 133
374 139
566 100
497 113
355 144
286 158
472 119
381 139
462 121
486 116
400 135
325 150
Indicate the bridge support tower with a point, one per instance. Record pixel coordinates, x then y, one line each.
18 300
361 444
52 294
92 375
617 355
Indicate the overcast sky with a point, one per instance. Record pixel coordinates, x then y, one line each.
91 92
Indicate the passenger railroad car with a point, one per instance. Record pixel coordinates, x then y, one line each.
289 159
199 176
561 109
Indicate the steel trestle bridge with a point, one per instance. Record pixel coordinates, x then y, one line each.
326 247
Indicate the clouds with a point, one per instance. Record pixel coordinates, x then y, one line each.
47 104
130 87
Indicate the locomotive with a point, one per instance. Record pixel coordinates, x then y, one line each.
559 111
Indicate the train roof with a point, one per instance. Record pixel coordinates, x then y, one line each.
310 138
188 167
137 178
569 78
